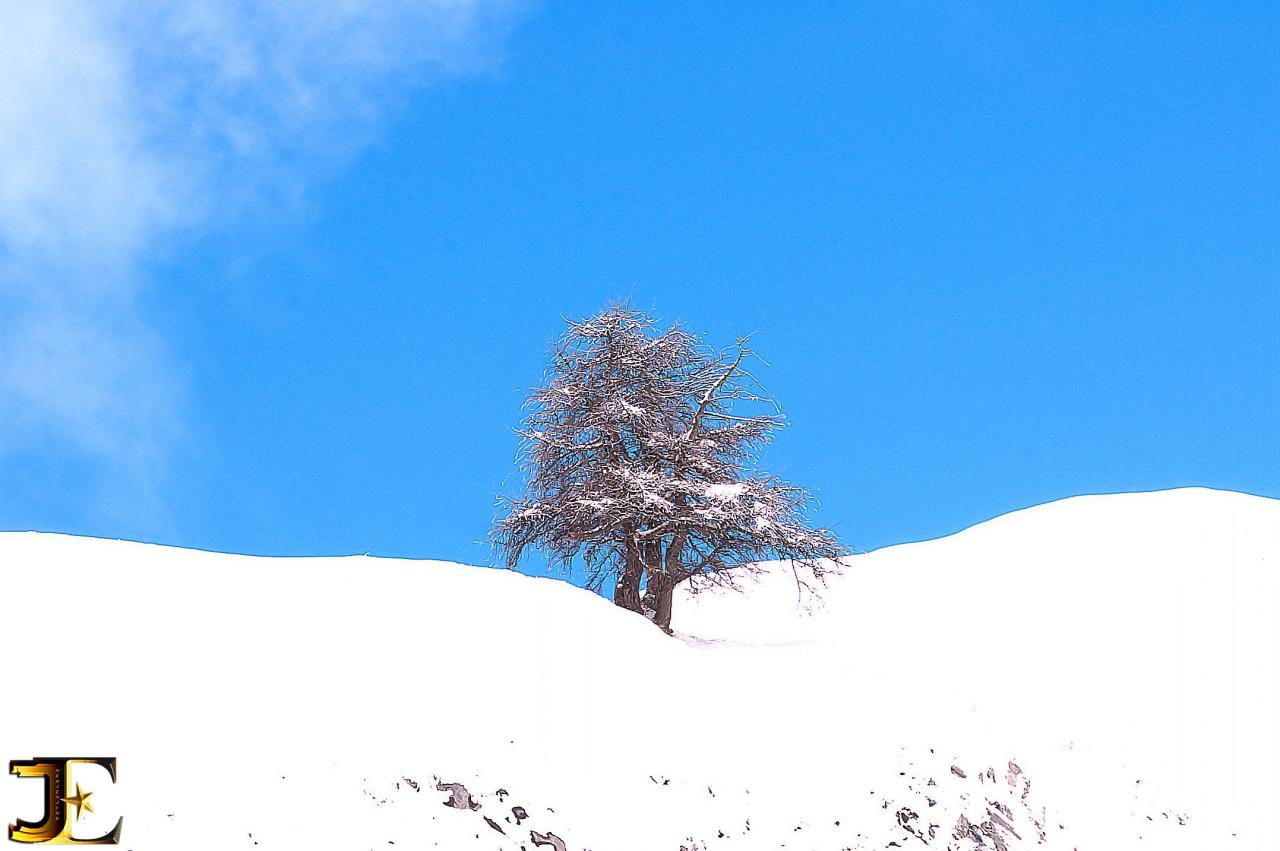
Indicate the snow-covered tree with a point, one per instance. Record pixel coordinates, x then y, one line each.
640 454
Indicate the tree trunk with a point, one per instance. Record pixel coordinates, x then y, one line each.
655 584
661 573
666 588
626 593
662 616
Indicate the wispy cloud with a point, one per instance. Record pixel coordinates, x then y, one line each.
124 123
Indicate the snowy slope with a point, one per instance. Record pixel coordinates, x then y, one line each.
1103 671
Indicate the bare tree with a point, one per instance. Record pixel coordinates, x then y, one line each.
639 452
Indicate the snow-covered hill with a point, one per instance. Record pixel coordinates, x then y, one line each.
1097 673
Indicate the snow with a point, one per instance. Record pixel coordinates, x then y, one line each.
1121 653
725 492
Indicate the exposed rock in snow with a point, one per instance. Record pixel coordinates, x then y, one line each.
549 840
459 797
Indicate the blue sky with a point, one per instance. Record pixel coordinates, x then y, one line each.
995 255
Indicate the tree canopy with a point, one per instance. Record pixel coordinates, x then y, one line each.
640 454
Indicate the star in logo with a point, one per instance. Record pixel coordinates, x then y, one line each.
80 800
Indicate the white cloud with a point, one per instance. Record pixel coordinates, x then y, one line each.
124 123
